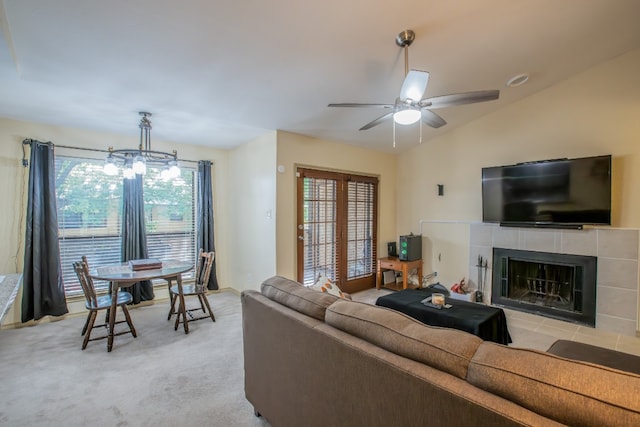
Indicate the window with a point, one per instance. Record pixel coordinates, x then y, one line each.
90 209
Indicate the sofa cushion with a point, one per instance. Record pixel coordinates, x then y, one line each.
446 349
571 392
297 297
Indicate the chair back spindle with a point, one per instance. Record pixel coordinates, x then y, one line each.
203 269
204 264
82 271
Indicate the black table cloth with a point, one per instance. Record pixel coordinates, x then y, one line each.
489 323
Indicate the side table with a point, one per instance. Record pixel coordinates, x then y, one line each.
393 263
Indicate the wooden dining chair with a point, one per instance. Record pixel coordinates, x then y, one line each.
197 289
95 303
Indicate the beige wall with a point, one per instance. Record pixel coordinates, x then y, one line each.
14 184
252 183
297 150
596 112
12 192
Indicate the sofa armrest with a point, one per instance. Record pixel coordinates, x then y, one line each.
598 355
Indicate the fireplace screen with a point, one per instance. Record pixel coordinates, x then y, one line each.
544 284
554 285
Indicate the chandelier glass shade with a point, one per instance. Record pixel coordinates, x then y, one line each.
134 161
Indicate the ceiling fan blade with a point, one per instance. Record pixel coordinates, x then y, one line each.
377 121
414 85
432 119
460 99
353 104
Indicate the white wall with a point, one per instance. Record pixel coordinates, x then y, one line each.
12 193
252 221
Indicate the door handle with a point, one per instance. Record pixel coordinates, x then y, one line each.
300 238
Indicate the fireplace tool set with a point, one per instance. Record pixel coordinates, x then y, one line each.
482 266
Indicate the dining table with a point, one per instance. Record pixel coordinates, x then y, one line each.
123 275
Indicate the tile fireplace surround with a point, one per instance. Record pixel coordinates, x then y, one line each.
616 250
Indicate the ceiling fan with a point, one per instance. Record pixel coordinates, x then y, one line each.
409 106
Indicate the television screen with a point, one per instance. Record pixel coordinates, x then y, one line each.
551 192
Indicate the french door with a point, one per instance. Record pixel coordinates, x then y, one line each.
337 228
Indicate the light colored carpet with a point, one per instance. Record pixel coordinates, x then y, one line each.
161 378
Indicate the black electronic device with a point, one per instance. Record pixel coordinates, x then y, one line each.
551 193
392 249
410 248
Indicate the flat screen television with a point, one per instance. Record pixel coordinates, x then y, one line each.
549 193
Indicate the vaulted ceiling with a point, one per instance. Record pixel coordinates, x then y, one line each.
221 73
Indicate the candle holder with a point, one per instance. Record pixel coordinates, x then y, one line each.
437 299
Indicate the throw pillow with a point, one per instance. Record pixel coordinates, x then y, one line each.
324 284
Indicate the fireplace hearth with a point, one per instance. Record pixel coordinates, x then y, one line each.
554 285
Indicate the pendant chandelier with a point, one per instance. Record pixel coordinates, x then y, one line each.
134 161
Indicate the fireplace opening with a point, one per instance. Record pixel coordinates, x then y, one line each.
560 286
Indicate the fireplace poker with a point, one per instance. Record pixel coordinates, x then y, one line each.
480 284
484 278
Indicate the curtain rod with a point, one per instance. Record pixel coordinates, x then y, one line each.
29 141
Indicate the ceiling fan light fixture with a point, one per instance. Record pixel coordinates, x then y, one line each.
408 116
411 106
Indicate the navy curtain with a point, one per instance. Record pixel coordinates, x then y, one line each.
42 285
205 218
134 236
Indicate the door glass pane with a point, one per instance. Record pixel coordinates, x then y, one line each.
360 212
319 248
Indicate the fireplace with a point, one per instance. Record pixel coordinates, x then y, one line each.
555 285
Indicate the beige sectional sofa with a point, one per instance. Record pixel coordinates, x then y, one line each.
312 359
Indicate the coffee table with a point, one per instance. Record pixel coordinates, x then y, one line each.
489 323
